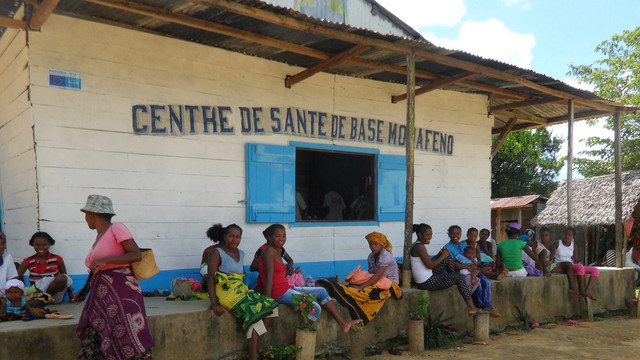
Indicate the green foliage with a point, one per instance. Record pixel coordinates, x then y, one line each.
606 241
357 327
418 311
437 334
523 315
378 335
304 302
275 352
526 164
615 76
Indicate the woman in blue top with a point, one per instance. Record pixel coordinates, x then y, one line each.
482 296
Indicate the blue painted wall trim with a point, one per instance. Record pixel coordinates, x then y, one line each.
333 223
317 270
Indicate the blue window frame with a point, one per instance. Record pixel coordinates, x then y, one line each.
271 183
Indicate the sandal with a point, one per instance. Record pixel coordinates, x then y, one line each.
58 315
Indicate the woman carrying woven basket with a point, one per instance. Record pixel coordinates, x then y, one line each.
113 324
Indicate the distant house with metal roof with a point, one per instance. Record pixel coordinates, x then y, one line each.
520 209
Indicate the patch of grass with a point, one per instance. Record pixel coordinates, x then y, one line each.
278 352
437 334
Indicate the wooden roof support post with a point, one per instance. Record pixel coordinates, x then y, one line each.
410 148
617 151
293 79
502 136
570 165
435 85
497 232
43 11
8 22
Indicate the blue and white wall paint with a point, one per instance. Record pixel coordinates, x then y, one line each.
57 145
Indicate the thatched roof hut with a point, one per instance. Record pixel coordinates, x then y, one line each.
593 201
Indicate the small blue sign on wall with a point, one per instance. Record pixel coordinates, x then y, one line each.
65 79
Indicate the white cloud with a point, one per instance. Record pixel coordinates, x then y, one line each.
578 84
423 13
490 39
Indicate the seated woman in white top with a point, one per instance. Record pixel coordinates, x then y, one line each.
566 258
8 269
429 274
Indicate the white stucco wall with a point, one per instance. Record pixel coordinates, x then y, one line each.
17 156
169 189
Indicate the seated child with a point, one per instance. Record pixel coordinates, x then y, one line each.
468 257
486 247
13 301
484 262
528 262
46 270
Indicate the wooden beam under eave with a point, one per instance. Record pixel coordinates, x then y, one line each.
521 104
552 121
398 69
294 79
43 11
521 116
579 116
10 23
496 91
503 135
209 26
435 85
501 75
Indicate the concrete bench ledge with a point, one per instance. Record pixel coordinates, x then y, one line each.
187 330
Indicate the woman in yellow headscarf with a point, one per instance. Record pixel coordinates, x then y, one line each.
365 299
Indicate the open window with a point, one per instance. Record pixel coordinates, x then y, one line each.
335 185
316 184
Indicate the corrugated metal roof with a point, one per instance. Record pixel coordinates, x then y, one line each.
513 202
201 10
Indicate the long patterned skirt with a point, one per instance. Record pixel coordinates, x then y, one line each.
115 311
362 303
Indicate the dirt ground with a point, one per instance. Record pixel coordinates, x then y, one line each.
612 338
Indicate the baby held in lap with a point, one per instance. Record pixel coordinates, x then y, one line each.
471 277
